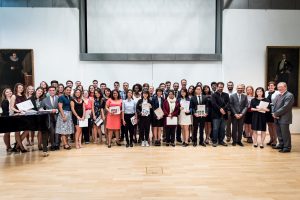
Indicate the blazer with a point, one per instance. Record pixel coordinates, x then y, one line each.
219 101
194 103
282 108
237 107
139 108
46 103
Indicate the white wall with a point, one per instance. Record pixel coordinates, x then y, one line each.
53 34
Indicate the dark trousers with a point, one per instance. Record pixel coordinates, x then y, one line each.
170 134
178 133
86 131
129 127
122 131
228 125
50 135
284 135
198 122
218 130
144 127
237 129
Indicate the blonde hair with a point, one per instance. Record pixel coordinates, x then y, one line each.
249 86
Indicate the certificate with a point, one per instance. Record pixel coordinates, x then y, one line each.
98 121
159 113
201 110
25 106
171 121
133 120
115 110
263 104
145 109
186 106
83 123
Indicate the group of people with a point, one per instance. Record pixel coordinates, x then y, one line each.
200 114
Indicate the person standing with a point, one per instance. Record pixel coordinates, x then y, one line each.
144 110
230 87
185 119
198 119
128 112
259 116
220 106
51 103
6 98
271 94
157 123
113 120
64 124
282 113
171 109
238 107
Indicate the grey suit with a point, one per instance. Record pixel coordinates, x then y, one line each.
282 108
238 106
54 140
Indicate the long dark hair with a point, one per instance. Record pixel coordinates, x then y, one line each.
203 90
112 95
99 92
16 89
263 91
42 95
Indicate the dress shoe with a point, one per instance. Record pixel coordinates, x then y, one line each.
45 154
173 144
240 144
223 144
285 150
194 144
52 148
214 144
270 142
179 140
167 144
118 143
131 145
228 140
24 150
277 147
261 146
255 145
233 144
67 148
203 144
109 146
127 145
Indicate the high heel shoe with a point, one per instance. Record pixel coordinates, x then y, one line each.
23 150
262 146
255 145
67 148
119 144
109 146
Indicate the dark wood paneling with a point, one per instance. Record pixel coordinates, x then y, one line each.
259 4
283 4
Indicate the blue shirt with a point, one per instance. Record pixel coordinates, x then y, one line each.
65 100
129 106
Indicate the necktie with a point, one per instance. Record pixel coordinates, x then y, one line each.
199 100
239 98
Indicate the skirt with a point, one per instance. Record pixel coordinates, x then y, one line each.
184 119
65 128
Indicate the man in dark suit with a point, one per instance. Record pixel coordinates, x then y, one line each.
238 108
51 103
220 107
198 120
282 113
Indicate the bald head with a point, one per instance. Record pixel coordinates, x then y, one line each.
282 87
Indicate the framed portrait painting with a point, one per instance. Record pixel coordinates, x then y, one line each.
283 66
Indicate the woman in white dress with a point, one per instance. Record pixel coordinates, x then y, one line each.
185 119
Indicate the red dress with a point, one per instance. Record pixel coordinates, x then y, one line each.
113 121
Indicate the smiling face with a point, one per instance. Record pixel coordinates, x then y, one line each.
20 89
68 91
129 94
115 95
85 94
51 91
8 93
271 87
259 93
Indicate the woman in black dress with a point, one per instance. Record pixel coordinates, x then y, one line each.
18 97
248 116
259 116
78 109
208 120
6 98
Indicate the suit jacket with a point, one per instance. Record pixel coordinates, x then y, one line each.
219 101
46 103
194 103
282 108
237 107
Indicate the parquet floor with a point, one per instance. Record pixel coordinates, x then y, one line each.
96 172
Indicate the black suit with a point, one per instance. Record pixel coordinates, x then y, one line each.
198 121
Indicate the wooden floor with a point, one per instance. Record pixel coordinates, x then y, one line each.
96 172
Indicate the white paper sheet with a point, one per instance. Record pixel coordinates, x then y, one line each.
25 106
172 121
115 110
159 113
84 123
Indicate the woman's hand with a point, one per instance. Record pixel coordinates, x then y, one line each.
64 118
